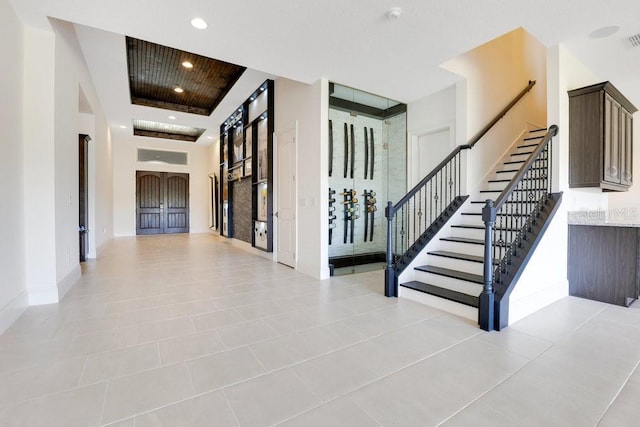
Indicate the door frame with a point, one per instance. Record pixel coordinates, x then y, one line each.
83 196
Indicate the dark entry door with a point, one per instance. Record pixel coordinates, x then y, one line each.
162 202
83 195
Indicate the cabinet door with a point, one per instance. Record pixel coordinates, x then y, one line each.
626 147
611 160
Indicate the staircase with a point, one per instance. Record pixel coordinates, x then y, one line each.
454 271
476 248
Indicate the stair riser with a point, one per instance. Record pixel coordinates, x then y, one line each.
509 175
495 185
464 248
470 233
520 155
510 166
526 149
455 264
440 303
449 283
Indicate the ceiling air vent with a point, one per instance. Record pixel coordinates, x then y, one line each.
634 40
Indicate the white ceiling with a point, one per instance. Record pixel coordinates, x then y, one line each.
347 41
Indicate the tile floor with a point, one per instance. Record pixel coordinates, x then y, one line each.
188 330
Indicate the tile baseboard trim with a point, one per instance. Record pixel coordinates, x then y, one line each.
13 310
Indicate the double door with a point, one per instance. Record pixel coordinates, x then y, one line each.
162 202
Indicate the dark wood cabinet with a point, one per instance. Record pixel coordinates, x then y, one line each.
604 263
600 138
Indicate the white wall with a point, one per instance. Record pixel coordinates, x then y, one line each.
39 166
495 73
428 117
545 277
13 296
308 106
125 166
54 72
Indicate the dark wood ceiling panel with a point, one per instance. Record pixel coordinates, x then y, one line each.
156 70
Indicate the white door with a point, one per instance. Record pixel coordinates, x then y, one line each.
427 151
286 197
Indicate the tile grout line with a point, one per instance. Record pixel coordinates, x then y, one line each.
615 397
395 371
553 344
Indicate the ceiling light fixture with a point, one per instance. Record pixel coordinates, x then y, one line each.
123 127
178 89
199 23
604 32
187 64
394 13
172 117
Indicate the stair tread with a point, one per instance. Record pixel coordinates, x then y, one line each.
460 256
455 274
533 137
463 240
513 162
508 171
538 130
467 240
521 154
481 227
499 191
437 291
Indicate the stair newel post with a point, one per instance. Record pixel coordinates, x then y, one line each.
487 297
390 282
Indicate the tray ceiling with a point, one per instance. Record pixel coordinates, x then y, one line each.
166 131
155 71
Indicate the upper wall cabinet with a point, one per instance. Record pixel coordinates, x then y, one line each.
600 138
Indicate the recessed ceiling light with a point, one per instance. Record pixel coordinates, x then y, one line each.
178 89
187 64
209 137
172 117
199 23
604 32
123 127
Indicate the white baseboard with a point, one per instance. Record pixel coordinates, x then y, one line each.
68 281
247 247
50 294
521 308
13 310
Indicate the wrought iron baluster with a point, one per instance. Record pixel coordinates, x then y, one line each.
402 230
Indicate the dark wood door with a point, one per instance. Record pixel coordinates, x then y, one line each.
83 195
162 202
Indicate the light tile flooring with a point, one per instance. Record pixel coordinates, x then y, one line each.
187 330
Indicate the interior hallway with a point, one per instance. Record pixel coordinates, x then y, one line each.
188 330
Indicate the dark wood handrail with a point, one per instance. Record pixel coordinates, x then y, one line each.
466 146
501 114
515 181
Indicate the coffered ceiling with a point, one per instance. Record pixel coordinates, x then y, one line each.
350 42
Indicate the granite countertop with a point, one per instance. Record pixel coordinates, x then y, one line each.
612 218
